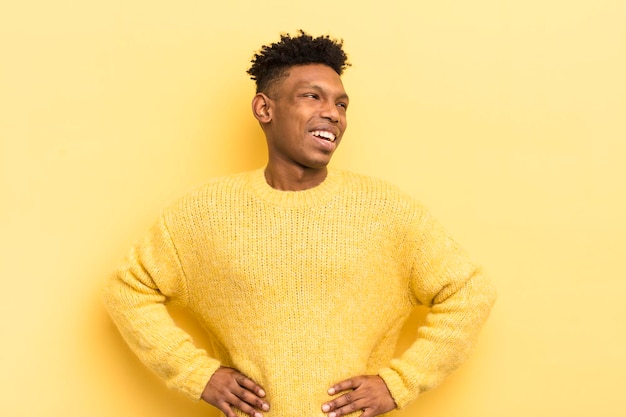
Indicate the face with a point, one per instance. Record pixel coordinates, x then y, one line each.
306 117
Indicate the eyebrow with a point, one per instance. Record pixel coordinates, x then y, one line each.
319 88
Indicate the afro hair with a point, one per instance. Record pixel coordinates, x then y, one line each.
273 61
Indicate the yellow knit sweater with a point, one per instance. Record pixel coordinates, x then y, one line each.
300 290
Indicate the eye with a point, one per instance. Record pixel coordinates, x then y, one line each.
311 95
343 105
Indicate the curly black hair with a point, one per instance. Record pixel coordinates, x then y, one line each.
273 61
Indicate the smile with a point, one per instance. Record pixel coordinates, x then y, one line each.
324 134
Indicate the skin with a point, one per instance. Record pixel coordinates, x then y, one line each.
309 98
229 389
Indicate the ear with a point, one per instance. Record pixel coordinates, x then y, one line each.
261 108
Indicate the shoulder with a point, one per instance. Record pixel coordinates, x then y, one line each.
360 182
232 183
224 191
379 193
373 187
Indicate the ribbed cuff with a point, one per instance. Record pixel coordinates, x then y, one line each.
396 387
198 379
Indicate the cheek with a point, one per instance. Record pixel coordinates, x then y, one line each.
344 124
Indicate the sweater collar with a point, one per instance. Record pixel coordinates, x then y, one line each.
306 198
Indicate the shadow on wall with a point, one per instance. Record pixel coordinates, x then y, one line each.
246 146
244 143
409 330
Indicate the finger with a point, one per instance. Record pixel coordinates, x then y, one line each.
250 385
348 408
351 400
251 398
235 401
345 385
226 409
369 412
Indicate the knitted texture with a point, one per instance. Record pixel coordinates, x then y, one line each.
300 290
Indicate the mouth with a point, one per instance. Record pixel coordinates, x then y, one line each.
324 134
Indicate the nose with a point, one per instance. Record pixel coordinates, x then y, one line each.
330 111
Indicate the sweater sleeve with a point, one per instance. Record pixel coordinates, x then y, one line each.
135 297
460 299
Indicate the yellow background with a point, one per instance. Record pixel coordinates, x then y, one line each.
506 118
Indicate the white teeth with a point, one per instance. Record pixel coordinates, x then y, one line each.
324 134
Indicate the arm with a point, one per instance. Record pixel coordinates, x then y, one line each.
460 299
135 297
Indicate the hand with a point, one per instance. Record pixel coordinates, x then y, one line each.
229 388
368 393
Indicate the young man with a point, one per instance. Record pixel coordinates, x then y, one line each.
302 275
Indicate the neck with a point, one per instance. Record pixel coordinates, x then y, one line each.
294 178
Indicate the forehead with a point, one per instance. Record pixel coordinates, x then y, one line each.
318 76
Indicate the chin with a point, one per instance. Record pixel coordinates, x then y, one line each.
318 165
320 162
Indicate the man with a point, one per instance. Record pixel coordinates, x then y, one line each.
302 275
